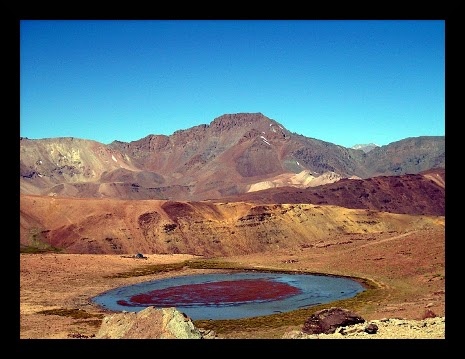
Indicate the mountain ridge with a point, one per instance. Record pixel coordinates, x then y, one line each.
232 154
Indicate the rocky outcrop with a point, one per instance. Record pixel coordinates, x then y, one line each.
326 321
150 323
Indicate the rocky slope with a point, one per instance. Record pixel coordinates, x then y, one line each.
422 193
198 228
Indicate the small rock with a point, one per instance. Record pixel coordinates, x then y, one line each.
428 314
371 328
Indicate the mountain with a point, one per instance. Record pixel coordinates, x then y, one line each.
233 155
411 155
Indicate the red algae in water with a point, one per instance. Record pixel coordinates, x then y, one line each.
214 293
231 295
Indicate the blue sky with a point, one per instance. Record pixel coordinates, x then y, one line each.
342 81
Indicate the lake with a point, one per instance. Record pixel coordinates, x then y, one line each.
231 295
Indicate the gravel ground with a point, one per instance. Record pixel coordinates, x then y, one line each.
430 328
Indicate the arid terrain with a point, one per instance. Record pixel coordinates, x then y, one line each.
242 193
407 269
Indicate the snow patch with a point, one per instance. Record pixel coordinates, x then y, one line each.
113 158
265 140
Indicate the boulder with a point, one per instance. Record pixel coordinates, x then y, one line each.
149 323
326 321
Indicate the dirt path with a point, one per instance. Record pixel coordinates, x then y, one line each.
387 239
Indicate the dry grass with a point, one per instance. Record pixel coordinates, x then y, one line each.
269 325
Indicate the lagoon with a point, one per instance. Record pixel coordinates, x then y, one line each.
233 295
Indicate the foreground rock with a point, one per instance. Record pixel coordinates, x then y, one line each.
326 321
150 323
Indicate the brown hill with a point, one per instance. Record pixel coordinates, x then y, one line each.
197 228
422 193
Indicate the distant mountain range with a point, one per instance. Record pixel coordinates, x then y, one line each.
233 155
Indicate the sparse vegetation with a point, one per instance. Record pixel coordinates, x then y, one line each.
73 313
32 250
37 243
296 317
264 323
292 318
150 269
195 264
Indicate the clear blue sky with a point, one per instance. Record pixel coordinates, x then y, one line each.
343 81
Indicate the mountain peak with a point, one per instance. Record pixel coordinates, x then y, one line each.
244 123
238 119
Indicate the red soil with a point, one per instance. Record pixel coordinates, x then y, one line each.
230 292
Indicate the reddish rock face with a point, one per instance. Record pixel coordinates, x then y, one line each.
223 292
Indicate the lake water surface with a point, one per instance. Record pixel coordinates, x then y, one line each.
231 295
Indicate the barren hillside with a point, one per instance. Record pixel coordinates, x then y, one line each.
422 193
198 228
